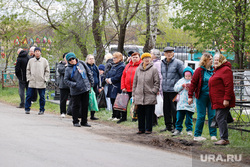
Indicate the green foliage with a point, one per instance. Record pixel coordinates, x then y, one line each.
215 21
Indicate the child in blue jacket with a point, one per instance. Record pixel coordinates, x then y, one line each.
183 108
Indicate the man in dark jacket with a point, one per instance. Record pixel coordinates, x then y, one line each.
171 70
64 89
20 71
79 79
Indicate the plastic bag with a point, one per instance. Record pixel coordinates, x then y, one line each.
159 106
121 102
133 109
93 106
101 100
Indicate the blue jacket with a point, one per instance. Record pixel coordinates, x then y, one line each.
115 73
171 73
77 84
182 104
95 72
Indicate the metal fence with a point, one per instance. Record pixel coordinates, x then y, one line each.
241 112
8 79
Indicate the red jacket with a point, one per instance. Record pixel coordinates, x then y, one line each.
221 86
128 75
196 83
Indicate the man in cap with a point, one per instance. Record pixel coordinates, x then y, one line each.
37 76
171 70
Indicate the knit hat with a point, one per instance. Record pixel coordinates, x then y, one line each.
188 69
37 48
70 55
145 55
101 67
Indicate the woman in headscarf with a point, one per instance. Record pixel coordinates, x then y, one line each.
221 92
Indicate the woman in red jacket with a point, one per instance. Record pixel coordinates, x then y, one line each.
221 92
128 78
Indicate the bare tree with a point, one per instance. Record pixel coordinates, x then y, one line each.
124 12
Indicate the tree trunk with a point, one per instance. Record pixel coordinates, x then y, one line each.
148 35
121 39
154 19
97 32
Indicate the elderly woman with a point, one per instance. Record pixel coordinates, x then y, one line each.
145 88
90 60
156 57
128 78
221 92
79 79
113 79
199 86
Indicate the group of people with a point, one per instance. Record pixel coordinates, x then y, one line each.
208 89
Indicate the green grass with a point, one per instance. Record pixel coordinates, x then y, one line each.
239 141
11 96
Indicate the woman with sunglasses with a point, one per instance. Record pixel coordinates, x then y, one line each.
79 78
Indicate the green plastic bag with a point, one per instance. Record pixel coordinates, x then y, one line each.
93 106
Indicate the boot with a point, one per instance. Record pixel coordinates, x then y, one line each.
92 117
124 117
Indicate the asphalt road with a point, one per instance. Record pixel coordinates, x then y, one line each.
49 141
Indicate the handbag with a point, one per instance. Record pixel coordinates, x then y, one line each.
214 123
93 106
101 100
229 118
121 102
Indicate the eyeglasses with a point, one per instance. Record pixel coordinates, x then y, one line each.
71 59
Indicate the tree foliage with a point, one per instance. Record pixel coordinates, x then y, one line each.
219 22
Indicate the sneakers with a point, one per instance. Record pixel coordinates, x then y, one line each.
213 138
110 119
76 125
40 113
189 133
62 115
222 142
176 133
27 112
115 119
199 138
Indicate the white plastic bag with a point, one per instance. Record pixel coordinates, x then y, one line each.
159 106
